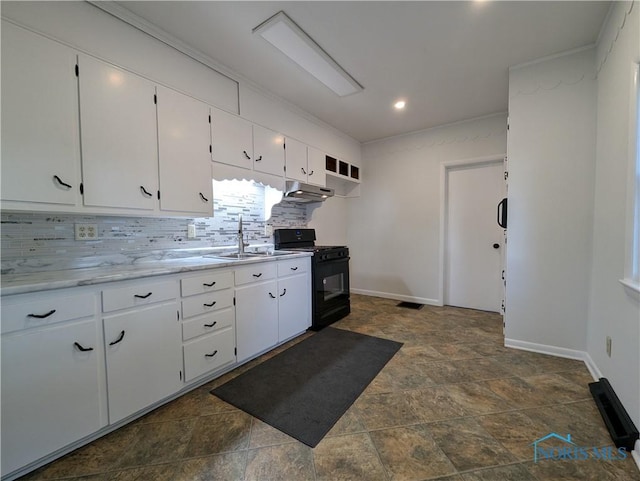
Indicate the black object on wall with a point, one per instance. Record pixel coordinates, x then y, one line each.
502 213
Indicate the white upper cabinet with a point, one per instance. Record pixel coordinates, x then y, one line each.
40 146
184 138
316 167
232 139
305 163
268 151
119 137
295 155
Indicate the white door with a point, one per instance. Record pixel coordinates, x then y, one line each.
293 306
119 137
232 139
184 137
295 155
40 132
473 263
268 151
256 318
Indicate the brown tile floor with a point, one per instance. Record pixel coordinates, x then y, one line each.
453 405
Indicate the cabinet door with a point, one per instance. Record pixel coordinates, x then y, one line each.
294 308
268 151
184 138
50 390
231 138
295 155
143 358
119 137
316 167
40 146
256 318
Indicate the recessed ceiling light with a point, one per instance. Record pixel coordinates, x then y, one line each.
284 34
400 104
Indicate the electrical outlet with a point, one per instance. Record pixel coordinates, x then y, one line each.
608 346
191 231
268 230
86 231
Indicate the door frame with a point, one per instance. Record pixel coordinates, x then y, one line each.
445 168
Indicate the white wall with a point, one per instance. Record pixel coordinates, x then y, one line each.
612 311
330 220
394 226
551 150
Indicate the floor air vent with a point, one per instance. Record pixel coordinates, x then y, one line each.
410 305
622 430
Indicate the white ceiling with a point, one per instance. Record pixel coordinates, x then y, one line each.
449 60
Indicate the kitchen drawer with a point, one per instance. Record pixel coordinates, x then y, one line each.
138 294
208 323
208 353
36 310
212 281
293 266
212 301
255 273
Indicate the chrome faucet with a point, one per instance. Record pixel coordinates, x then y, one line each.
241 243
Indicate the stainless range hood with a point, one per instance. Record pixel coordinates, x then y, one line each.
298 192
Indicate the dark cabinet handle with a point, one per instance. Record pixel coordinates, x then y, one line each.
59 180
203 197
294 268
259 159
145 192
142 297
257 275
303 171
283 292
82 349
120 338
212 324
245 154
496 246
209 285
502 213
311 173
212 354
272 296
210 305
42 316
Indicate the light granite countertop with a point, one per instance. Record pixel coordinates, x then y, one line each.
59 279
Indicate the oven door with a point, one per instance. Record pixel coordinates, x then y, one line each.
330 292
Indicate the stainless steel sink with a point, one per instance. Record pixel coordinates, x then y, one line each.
247 255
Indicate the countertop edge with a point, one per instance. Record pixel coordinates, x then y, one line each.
13 284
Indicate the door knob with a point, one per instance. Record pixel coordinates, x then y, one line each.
496 246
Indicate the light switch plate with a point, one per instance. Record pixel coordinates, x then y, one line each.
191 231
86 231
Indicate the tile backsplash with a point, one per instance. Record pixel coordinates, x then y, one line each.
43 241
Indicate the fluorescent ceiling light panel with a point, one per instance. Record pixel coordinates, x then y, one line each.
286 36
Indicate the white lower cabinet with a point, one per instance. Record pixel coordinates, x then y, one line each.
208 353
256 318
51 390
144 362
293 306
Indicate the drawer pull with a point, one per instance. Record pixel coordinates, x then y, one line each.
212 354
120 338
203 197
283 292
257 275
210 305
212 324
42 316
209 285
272 296
142 297
82 349
294 268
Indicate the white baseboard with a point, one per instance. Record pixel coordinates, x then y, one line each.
398 297
636 453
558 352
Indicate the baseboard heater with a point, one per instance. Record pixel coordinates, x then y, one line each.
622 430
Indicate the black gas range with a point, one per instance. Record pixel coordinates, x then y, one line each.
329 274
